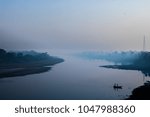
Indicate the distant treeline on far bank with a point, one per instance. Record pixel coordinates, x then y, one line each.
129 60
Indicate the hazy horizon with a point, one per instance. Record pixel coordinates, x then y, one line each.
74 24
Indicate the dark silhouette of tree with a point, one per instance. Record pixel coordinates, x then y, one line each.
26 59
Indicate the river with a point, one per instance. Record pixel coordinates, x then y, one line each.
75 78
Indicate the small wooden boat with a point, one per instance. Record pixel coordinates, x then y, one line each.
116 86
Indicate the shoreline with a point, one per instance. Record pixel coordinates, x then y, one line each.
23 71
24 63
141 92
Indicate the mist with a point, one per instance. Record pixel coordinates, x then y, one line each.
123 57
74 24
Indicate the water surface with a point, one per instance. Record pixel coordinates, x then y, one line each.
75 78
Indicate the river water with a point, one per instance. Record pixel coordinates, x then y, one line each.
75 78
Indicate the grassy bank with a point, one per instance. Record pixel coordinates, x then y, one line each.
22 71
25 63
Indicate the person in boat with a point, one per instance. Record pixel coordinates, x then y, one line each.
116 86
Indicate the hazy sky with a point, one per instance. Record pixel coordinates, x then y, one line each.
74 24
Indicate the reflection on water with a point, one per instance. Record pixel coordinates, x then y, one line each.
75 78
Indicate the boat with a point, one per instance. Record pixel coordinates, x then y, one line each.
116 86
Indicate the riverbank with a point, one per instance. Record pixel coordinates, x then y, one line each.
141 93
22 71
24 63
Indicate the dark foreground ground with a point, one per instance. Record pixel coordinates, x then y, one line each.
141 93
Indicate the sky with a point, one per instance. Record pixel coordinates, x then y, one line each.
74 24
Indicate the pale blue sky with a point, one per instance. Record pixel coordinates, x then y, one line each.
74 24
